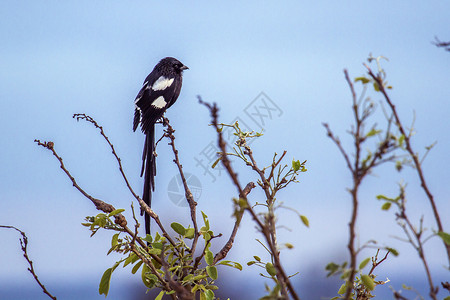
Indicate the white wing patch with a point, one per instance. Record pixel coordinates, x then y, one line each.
162 83
159 102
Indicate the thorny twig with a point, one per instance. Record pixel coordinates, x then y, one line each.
23 245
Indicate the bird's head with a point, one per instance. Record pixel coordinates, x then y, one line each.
170 64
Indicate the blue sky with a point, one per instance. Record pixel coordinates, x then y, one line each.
60 58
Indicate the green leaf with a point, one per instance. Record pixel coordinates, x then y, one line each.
289 245
257 258
242 203
114 240
304 220
199 277
386 206
148 238
364 263
251 263
383 197
160 295
205 220
116 212
373 132
363 79
202 296
375 86
103 288
447 298
342 289
331 268
401 139
296 165
157 245
271 269
206 236
209 257
178 228
209 295
147 278
392 250
154 251
216 162
212 272
132 258
190 233
368 282
444 236
157 236
136 267
232 264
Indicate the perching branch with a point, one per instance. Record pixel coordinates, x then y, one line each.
188 194
142 204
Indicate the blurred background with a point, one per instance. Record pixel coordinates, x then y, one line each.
273 66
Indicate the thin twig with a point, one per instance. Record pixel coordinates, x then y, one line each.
23 245
227 247
413 155
418 244
376 263
188 194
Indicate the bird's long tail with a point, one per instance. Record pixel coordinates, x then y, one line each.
149 171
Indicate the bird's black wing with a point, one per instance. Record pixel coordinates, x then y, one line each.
153 100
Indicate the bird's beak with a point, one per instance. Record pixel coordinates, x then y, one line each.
184 68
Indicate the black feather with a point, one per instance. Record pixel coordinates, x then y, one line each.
160 90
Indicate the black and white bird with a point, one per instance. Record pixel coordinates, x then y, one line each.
160 90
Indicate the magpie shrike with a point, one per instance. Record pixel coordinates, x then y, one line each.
160 90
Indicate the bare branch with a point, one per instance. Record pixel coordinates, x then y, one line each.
227 247
23 245
188 194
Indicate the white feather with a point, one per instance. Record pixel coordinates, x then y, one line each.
162 83
159 102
